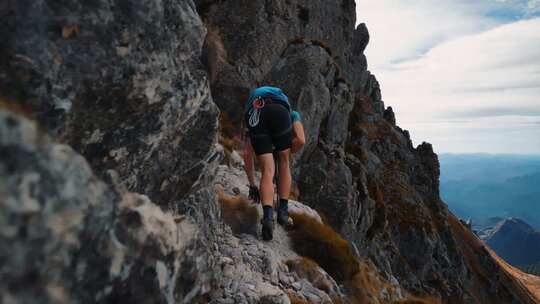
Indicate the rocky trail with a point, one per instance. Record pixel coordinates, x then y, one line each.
128 249
120 183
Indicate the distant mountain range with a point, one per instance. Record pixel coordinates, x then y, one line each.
515 241
487 188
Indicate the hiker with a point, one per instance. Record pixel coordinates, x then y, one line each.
272 126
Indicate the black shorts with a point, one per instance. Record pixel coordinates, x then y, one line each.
274 130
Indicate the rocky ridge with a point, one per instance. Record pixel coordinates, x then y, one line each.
122 83
77 239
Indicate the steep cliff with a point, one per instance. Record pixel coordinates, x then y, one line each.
137 87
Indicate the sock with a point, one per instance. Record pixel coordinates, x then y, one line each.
283 204
267 212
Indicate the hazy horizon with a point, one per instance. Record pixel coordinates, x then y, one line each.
482 186
462 75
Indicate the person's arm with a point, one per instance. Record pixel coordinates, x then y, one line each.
249 165
299 139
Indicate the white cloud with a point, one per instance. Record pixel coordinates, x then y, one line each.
470 83
404 29
499 67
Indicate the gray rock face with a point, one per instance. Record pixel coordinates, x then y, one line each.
120 82
268 27
311 78
74 239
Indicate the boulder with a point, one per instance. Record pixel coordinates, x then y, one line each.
120 82
73 238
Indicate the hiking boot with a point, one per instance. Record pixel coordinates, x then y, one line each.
267 229
283 217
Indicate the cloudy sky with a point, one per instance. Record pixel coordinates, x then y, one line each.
463 75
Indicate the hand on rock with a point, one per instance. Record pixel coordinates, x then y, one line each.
254 194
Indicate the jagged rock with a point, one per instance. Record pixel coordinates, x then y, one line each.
335 197
361 39
74 239
389 115
268 28
119 81
358 67
311 79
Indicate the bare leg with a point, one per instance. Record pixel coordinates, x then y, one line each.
266 188
284 183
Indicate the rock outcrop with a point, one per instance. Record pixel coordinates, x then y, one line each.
68 237
120 82
123 84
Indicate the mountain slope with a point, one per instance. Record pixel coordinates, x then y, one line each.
484 186
515 241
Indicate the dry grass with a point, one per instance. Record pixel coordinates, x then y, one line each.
227 127
309 270
325 248
214 52
297 40
528 283
322 244
228 143
373 131
419 300
70 31
526 287
17 108
229 136
237 212
295 192
296 300
366 285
